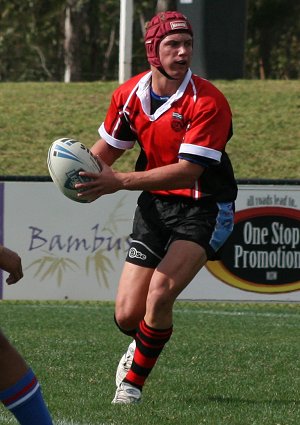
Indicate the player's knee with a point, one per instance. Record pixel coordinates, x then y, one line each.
160 301
126 325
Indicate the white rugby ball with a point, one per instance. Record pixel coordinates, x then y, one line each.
66 158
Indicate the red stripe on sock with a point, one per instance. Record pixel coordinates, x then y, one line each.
154 333
153 340
135 379
143 361
148 344
21 393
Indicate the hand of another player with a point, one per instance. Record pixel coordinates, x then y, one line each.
11 263
102 183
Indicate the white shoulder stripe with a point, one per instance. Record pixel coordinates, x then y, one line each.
200 151
116 143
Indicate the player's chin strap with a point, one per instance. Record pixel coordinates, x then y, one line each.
163 72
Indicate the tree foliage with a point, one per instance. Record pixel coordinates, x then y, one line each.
30 34
273 39
34 44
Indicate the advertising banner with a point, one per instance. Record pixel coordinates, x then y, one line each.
76 251
262 256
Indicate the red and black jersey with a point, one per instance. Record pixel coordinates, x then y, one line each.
193 124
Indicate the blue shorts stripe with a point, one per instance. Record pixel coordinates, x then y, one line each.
224 225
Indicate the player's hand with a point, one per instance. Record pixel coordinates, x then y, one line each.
11 263
102 183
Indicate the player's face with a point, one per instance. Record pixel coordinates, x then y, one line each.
175 53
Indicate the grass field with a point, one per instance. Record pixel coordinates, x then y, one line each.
265 115
226 364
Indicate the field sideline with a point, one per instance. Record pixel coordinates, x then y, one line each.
226 364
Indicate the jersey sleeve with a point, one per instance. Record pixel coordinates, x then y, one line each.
208 132
115 129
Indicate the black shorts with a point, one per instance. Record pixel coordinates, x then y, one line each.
161 220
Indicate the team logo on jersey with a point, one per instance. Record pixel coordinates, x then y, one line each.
177 121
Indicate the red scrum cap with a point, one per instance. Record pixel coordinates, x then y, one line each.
160 26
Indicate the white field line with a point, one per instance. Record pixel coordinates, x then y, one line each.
194 310
11 420
238 313
63 422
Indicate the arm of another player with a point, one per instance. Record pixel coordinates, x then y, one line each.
11 263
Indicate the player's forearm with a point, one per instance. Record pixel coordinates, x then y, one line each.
11 263
174 176
106 152
5 255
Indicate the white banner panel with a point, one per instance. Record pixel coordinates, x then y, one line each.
76 251
69 250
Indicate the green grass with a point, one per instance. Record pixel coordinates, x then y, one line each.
266 124
226 363
266 114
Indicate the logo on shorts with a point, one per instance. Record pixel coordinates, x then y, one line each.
134 253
